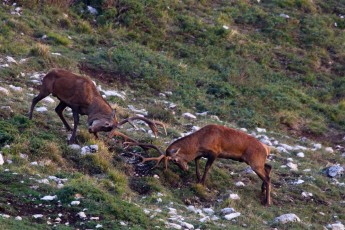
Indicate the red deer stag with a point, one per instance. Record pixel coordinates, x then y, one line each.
215 141
80 94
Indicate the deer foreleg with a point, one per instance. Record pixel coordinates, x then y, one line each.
209 163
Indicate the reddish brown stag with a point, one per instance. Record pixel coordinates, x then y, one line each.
215 141
81 95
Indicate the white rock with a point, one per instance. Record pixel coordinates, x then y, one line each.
225 27
214 218
49 198
187 225
208 211
261 130
114 93
244 130
4 91
94 218
329 150
300 154
74 146
307 194
317 146
290 217
99 226
49 100
292 166
299 181
214 117
188 116
335 170
11 59
239 184
43 181
18 218
173 225
37 216
16 88
306 170
23 156
92 10
249 170
81 215
1 159
140 111
159 200
289 159
156 176
34 163
56 54
203 114
172 211
281 149
41 109
284 16
191 208
234 196
287 147
204 219
75 202
337 226
232 215
226 211
5 216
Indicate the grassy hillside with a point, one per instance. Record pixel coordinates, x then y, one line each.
275 64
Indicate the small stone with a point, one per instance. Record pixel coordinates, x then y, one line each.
317 146
204 219
290 217
94 218
49 198
18 218
234 196
292 166
191 208
159 200
4 91
81 215
300 154
187 225
34 163
37 216
261 130
232 215
1 159
75 202
284 16
156 176
335 170
329 150
226 211
99 226
174 226
208 211
225 27
337 226
16 88
299 181
41 109
239 184
307 194
189 116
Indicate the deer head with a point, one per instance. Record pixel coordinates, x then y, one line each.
103 124
176 158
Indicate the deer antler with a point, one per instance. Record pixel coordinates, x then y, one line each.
144 159
152 124
117 133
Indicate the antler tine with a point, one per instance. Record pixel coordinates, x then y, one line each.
117 133
151 124
144 159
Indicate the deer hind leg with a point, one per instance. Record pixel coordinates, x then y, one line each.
76 122
263 173
209 163
40 96
59 109
197 167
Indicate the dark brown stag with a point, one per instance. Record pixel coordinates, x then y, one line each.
81 95
215 141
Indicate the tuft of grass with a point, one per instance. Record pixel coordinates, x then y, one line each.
41 50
